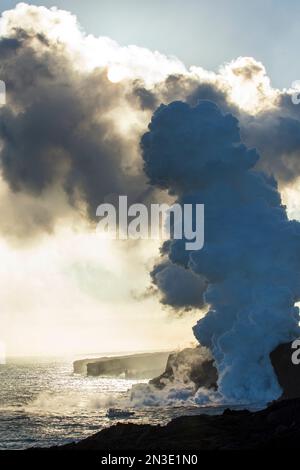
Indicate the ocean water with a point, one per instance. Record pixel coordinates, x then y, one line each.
43 403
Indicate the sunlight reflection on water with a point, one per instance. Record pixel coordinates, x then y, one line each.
44 403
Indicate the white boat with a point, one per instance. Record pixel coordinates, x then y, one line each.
118 413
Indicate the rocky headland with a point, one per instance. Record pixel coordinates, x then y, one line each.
132 366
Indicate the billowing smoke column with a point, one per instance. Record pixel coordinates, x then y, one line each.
251 255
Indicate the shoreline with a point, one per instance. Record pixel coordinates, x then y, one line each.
275 427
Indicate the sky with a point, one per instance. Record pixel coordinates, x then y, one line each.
64 289
199 32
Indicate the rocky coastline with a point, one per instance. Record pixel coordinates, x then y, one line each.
275 427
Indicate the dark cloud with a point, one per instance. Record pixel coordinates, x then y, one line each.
56 127
180 288
7 46
208 91
276 134
147 99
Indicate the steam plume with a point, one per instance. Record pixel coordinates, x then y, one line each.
250 258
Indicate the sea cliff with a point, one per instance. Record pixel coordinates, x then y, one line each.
136 366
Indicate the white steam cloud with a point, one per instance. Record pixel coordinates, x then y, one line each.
251 255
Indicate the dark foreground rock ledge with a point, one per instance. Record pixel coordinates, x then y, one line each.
277 427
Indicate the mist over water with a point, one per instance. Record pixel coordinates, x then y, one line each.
42 403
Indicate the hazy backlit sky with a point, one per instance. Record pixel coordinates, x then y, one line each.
199 32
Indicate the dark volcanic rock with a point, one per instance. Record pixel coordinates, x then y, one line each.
276 427
190 364
288 374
